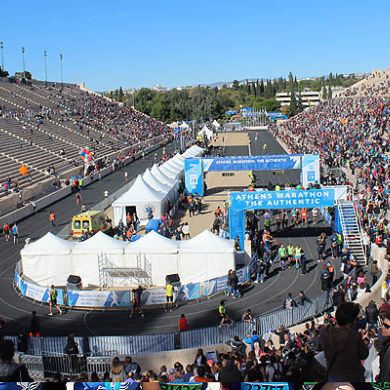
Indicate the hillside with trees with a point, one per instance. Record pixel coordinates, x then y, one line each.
205 103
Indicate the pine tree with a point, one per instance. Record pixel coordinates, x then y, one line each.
324 93
293 110
329 92
262 87
120 94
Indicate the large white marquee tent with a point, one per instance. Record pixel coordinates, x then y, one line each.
50 260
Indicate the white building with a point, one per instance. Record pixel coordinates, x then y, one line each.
308 98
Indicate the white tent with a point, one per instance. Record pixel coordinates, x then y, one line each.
175 166
158 253
193 151
85 256
169 171
48 260
216 124
160 176
179 159
206 131
205 257
156 184
173 125
141 196
184 126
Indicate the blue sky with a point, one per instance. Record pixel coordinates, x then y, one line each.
108 44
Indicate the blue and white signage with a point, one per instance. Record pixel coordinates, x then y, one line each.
194 175
253 163
309 164
287 199
98 298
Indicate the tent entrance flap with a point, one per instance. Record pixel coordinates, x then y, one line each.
131 210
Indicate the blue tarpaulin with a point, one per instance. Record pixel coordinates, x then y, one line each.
153 224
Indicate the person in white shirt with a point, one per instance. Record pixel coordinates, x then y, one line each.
186 231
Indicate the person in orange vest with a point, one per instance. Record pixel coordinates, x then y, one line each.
6 231
52 218
304 216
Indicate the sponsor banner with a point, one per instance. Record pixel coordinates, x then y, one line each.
98 298
310 169
193 173
253 163
287 199
35 292
153 296
266 386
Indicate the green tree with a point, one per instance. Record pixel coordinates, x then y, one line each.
236 85
324 93
293 110
329 92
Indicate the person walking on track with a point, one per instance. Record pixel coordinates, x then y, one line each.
136 304
52 218
15 233
169 296
6 231
53 300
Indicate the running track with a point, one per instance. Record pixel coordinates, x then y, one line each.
262 298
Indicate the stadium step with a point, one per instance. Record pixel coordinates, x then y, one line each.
351 230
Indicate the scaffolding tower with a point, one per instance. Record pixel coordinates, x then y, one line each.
110 275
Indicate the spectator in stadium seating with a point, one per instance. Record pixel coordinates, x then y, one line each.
200 358
229 372
117 370
343 346
9 370
384 360
372 314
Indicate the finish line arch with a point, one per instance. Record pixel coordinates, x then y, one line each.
309 164
240 202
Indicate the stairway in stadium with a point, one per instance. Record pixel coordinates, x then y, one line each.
351 229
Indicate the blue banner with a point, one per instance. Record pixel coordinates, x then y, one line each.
256 163
194 176
35 292
287 199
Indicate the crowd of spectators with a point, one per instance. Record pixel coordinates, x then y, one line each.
353 135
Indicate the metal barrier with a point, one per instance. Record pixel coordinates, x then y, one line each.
69 365
262 324
215 335
132 344
49 345
98 364
34 365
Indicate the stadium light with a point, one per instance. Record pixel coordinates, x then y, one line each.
45 55
62 75
24 63
2 55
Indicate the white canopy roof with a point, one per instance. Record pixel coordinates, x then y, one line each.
178 158
174 165
139 192
98 243
153 243
207 242
194 150
153 182
215 123
184 126
156 172
205 130
49 244
169 171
